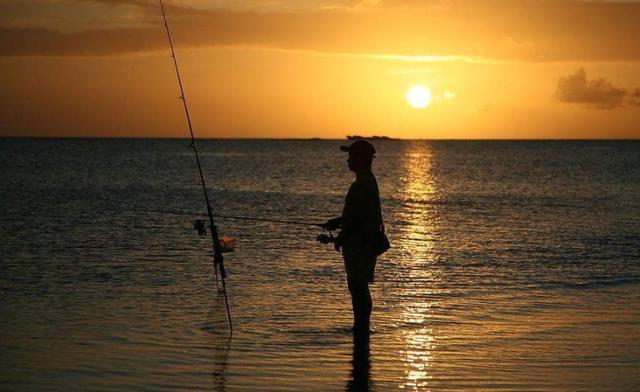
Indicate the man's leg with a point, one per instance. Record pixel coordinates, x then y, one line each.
362 304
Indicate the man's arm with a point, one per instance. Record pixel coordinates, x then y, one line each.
333 224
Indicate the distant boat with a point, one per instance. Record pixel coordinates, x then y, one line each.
358 137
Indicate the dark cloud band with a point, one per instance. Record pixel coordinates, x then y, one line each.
526 30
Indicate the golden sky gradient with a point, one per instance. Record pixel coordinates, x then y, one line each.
322 68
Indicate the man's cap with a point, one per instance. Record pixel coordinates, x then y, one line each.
360 147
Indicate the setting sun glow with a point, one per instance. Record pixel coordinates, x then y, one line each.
419 97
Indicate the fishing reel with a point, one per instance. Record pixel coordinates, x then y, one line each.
200 225
227 243
326 238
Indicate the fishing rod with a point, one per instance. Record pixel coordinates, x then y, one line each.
218 260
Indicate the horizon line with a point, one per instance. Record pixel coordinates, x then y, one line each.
390 139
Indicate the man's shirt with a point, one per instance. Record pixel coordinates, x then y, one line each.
361 216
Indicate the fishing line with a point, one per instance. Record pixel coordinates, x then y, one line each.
256 219
247 218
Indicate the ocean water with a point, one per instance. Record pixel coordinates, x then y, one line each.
514 266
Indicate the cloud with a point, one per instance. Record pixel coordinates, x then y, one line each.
597 93
43 42
634 98
502 30
449 94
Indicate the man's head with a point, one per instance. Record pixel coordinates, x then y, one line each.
361 154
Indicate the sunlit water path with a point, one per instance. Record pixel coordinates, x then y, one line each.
515 266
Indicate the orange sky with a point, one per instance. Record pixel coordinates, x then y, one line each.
322 68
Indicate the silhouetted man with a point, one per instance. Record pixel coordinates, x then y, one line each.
361 219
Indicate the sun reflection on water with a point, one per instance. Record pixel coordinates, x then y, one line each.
418 358
419 293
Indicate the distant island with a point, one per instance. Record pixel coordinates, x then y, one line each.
358 137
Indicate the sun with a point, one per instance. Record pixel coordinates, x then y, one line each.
419 97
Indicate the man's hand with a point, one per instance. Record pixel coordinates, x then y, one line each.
333 224
337 244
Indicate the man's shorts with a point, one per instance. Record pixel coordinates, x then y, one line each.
359 262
